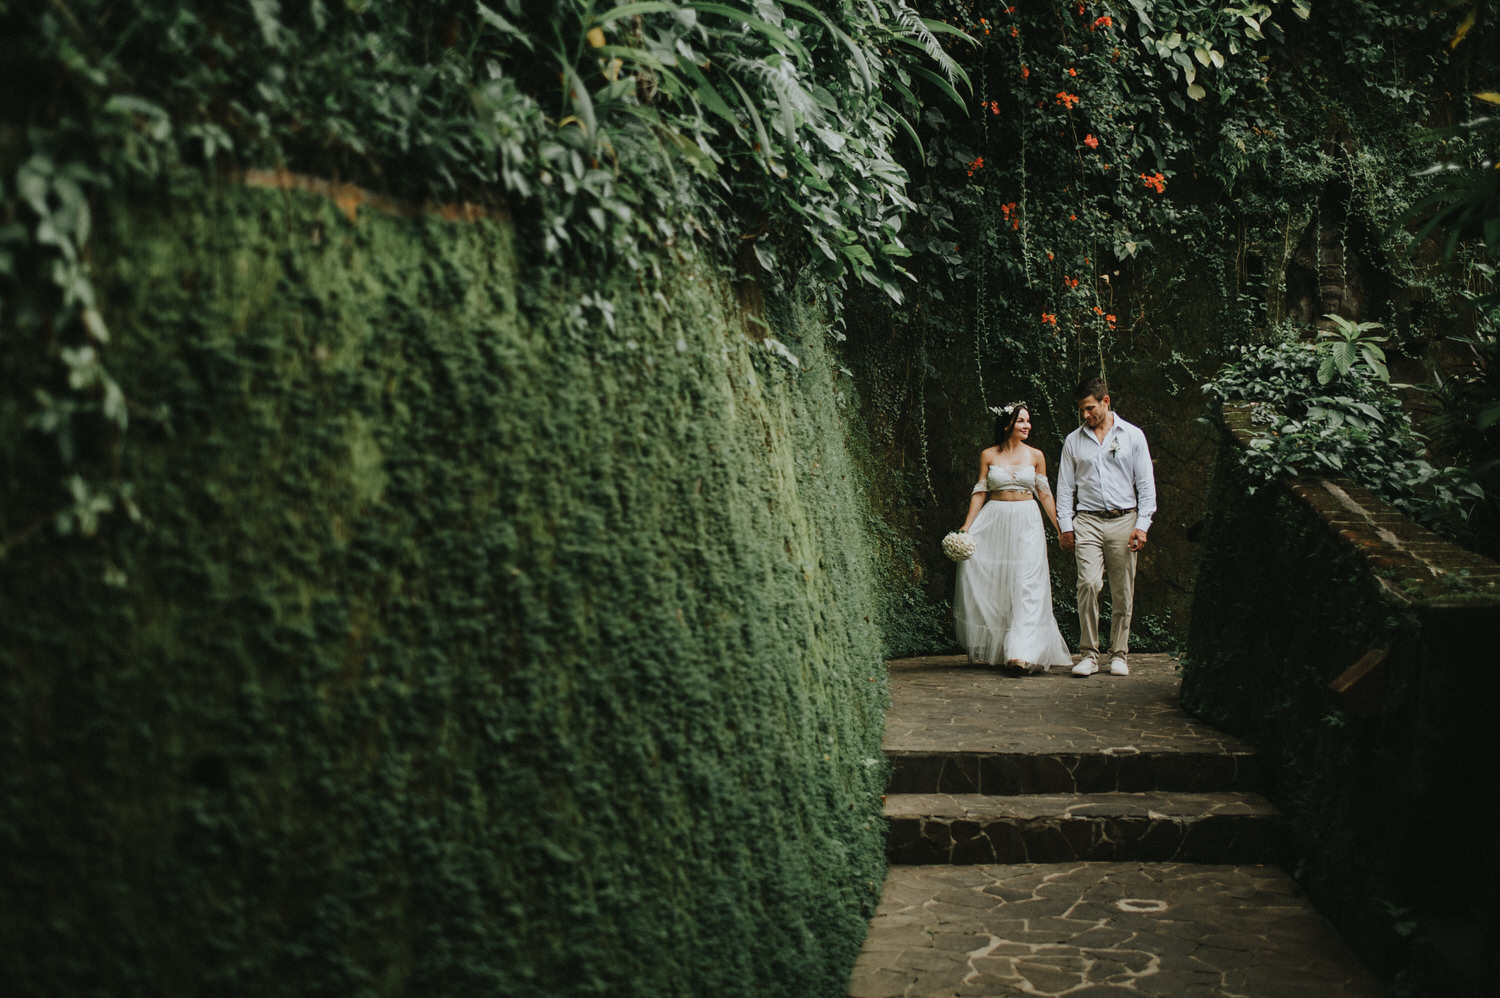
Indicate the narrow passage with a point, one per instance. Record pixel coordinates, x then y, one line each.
1084 837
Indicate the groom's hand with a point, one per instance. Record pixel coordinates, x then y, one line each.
1137 540
1066 540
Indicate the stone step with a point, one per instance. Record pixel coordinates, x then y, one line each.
1220 827
1123 768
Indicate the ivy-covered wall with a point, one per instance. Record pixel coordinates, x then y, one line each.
1354 648
484 633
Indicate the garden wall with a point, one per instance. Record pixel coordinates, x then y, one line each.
487 632
1357 650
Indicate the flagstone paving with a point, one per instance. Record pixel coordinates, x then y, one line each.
956 728
1111 786
1089 930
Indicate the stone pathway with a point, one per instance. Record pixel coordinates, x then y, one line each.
1082 837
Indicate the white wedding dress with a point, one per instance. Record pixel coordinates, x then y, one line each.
1002 605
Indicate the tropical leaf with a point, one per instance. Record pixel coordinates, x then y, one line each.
766 149
856 51
505 27
779 37
923 33
941 84
794 100
634 10
905 125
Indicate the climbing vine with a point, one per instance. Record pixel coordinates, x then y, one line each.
1142 188
613 134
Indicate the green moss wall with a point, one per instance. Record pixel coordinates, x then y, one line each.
479 640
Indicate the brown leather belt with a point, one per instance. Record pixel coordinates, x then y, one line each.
1106 514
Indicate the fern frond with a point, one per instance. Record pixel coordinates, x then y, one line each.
916 27
788 89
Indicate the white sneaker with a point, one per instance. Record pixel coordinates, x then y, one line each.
1087 667
1117 666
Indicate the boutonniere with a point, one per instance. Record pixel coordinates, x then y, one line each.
1114 446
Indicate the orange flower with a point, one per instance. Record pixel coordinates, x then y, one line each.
1025 72
1072 71
1091 142
1049 319
1066 99
1155 181
1049 256
1101 22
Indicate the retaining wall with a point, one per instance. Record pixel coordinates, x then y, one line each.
1358 651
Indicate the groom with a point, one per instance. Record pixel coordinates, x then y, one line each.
1106 496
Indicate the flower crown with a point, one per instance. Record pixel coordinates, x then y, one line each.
1007 408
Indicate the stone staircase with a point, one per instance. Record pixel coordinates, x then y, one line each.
1055 835
1085 771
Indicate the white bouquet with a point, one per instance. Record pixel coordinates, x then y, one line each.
958 545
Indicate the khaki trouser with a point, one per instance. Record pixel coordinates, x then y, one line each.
1101 546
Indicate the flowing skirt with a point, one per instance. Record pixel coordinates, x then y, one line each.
1003 602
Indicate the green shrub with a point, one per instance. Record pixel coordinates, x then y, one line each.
1326 407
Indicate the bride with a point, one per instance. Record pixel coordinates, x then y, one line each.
1003 601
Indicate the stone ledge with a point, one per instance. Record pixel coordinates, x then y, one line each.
1414 566
959 772
1159 827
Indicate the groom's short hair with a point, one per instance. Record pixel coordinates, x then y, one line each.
1091 386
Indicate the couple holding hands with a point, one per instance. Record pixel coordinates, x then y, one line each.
1106 496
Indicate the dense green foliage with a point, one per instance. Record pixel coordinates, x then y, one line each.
468 647
761 130
1328 409
1467 427
1142 188
405 607
411 608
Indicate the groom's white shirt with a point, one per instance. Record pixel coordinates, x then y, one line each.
1098 475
